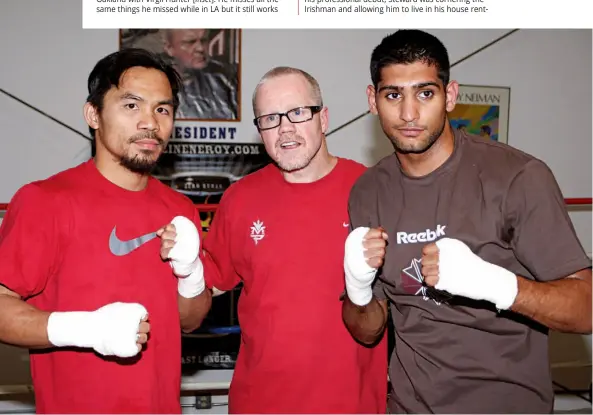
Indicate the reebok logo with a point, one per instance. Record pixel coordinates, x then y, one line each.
426 236
121 248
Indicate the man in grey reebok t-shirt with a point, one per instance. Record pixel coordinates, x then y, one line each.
481 259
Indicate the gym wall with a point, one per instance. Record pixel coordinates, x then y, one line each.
46 61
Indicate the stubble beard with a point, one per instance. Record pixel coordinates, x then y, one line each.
425 145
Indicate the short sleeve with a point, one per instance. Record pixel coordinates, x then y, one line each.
29 241
543 236
219 271
360 214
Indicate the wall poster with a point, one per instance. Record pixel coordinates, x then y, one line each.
205 155
209 62
483 111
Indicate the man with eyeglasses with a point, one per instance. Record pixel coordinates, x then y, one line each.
281 232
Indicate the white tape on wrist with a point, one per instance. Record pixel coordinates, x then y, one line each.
194 284
72 328
504 286
360 295
111 330
359 275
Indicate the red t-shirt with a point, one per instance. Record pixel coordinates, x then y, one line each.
285 242
55 253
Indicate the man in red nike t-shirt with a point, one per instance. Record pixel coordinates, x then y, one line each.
281 232
81 278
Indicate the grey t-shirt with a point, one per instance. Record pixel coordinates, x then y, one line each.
456 355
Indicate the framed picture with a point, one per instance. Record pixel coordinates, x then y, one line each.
483 111
209 62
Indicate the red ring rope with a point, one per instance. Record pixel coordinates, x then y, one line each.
578 201
572 201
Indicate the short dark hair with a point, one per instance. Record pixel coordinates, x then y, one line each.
408 46
108 72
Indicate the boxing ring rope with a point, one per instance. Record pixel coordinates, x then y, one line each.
571 201
582 201
191 385
200 207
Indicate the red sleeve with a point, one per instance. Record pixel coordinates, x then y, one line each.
29 241
219 271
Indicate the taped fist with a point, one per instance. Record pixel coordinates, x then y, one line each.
180 243
450 265
116 329
364 254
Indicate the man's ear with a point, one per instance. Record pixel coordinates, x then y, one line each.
324 116
452 91
91 115
371 99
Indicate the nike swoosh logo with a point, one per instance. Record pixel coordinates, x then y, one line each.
121 248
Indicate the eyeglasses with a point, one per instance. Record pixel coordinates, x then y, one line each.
295 115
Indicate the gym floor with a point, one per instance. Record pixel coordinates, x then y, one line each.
572 404
565 403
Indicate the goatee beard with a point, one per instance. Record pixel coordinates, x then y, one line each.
138 164
141 164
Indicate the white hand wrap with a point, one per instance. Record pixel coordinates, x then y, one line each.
185 258
359 275
112 330
461 272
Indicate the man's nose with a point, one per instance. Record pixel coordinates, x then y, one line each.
286 125
148 121
409 110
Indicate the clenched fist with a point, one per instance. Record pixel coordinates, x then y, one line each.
180 243
364 255
450 265
116 329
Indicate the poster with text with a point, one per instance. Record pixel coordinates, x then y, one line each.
203 171
483 111
205 155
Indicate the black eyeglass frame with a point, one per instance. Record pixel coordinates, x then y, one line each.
314 110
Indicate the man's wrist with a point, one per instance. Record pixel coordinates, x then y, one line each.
70 328
504 288
194 284
360 296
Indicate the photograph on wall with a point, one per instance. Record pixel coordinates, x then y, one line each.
203 160
482 111
209 62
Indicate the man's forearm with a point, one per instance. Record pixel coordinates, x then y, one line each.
366 323
562 305
22 324
192 311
